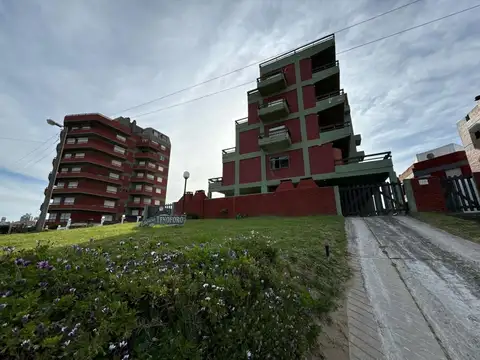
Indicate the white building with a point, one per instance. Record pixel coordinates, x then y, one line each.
469 131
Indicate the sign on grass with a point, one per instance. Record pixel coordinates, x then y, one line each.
164 220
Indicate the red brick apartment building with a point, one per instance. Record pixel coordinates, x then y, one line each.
296 148
108 167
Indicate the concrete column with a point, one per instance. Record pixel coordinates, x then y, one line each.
338 200
301 116
378 200
412 205
236 189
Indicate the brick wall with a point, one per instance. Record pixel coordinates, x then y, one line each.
429 197
288 200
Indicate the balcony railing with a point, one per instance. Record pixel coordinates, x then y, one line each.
228 151
83 207
365 158
334 126
93 160
241 121
87 175
297 50
271 82
278 139
147 155
75 118
215 181
141 179
83 190
100 132
325 67
97 145
330 95
153 145
273 110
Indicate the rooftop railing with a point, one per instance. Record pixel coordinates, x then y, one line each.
365 158
241 121
297 50
217 180
228 151
324 67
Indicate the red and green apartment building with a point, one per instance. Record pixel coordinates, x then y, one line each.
298 127
108 167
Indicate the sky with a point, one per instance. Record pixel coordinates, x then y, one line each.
406 93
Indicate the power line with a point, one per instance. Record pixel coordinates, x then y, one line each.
43 157
43 151
37 148
259 62
23 140
341 52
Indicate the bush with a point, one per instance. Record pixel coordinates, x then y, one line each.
237 300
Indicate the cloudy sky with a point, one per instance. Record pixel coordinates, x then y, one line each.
61 57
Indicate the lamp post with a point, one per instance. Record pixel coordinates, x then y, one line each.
46 202
186 175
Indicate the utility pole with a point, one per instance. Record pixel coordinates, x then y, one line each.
46 202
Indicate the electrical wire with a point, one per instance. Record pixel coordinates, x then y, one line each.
31 161
43 157
259 62
23 140
37 148
339 53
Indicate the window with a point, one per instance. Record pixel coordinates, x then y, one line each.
467 117
56 200
134 212
152 165
114 176
65 216
109 203
158 191
136 200
121 138
159 179
69 201
155 133
148 188
112 189
52 216
150 176
147 201
116 163
160 168
119 149
76 169
430 156
154 142
157 202
75 128
71 141
108 217
280 162
80 155
68 156
141 163
86 127
82 140
163 147
162 157
138 187
60 185
73 184
64 170
140 175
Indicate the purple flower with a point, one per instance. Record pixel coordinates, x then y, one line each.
25 318
68 267
43 284
44 265
7 294
19 261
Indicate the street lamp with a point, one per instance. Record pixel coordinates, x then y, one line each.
186 175
46 202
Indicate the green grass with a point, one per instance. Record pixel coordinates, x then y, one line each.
468 229
276 287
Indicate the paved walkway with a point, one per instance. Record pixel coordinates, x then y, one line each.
416 292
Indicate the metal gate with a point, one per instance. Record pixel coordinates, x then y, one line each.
373 199
461 194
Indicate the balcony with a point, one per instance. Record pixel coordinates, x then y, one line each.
82 118
86 175
152 145
334 132
142 179
147 155
96 145
325 71
326 101
86 191
144 192
242 121
82 207
91 159
271 83
278 139
273 110
214 184
228 154
145 167
365 164
140 204
104 133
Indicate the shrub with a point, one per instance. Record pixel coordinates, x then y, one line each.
143 300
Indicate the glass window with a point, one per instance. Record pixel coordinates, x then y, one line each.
108 217
73 184
64 170
159 179
135 212
71 141
76 169
160 168
112 189
56 200
80 155
121 138
157 202
158 191
150 176
147 201
138 187
65 216
163 147
109 203
52 216
114 176
68 156
148 188
136 200
69 201
119 149
82 140
116 163
60 185
279 162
